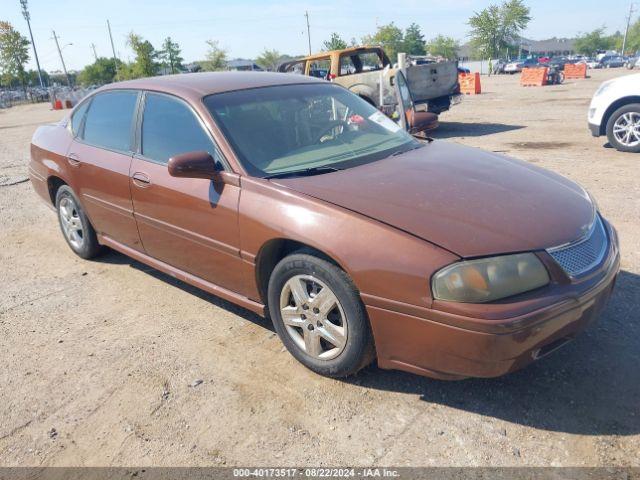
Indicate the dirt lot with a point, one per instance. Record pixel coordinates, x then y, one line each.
100 359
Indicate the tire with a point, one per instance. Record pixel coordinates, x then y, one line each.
306 326
74 224
632 110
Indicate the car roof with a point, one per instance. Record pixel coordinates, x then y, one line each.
344 51
206 83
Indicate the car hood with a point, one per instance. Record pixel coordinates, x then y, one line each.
470 202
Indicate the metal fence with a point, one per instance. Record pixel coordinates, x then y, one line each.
67 97
11 97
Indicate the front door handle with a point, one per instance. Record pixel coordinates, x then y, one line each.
141 179
73 159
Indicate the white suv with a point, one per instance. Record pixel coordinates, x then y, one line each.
615 112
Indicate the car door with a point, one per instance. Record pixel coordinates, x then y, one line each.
188 223
100 156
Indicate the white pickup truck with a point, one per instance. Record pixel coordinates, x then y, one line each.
368 72
615 112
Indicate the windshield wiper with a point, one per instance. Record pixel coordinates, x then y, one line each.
400 152
303 172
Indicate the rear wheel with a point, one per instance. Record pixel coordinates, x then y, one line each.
75 226
623 128
318 314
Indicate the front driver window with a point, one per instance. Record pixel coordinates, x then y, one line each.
170 128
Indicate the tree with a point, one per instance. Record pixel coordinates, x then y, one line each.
443 46
269 59
592 42
335 42
498 27
14 54
389 37
170 55
145 64
100 72
33 79
216 57
414 40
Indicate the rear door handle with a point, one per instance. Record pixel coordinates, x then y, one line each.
141 179
73 159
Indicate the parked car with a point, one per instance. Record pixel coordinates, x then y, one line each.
499 66
517 66
615 112
559 62
633 62
612 62
361 68
592 63
293 195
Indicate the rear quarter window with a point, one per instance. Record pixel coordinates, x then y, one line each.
77 117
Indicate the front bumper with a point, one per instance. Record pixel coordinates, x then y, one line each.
429 347
594 129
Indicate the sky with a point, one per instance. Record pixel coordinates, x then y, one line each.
247 27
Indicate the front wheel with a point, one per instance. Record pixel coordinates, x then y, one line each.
623 128
318 315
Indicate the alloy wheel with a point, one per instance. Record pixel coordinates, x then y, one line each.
627 129
313 317
71 222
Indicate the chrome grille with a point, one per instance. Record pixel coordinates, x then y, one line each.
583 255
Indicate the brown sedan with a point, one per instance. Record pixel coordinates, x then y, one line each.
293 196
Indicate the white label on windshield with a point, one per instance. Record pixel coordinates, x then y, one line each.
385 122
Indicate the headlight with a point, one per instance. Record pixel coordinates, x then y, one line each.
489 279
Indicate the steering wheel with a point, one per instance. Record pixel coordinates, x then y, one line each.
331 126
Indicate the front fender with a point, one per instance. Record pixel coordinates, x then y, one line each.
387 265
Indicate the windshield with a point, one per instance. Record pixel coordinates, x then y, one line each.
304 129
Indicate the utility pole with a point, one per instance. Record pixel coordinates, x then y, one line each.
115 59
27 17
64 67
95 55
626 32
306 14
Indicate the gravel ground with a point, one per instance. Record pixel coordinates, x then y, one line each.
102 360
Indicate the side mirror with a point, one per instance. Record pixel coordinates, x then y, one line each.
418 122
193 165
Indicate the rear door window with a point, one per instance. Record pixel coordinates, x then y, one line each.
359 62
109 120
320 68
169 128
295 67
